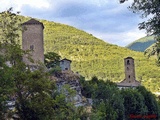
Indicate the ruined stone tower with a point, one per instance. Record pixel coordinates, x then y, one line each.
130 78
129 69
32 39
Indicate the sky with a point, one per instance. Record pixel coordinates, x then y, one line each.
105 19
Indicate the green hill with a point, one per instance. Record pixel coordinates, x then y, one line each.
141 44
93 57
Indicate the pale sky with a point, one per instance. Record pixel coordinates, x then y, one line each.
105 19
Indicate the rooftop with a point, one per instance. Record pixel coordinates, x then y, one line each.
66 59
128 58
125 83
33 21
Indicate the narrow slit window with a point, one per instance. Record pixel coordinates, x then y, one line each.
66 68
128 62
32 47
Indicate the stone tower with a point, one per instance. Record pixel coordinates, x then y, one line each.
32 39
130 78
65 64
129 69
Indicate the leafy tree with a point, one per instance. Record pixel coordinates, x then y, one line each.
107 100
108 93
150 9
52 62
11 53
51 59
32 91
134 103
6 87
150 101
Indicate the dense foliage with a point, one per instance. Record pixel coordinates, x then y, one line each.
111 103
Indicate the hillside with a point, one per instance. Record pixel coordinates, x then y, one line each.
93 57
141 44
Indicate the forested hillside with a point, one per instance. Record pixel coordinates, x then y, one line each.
141 44
93 57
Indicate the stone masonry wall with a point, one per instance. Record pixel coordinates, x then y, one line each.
32 39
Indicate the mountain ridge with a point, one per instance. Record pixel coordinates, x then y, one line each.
141 44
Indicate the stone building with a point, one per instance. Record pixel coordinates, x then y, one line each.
32 39
130 78
65 64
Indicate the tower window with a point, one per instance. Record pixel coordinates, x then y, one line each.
128 62
129 76
66 68
32 47
127 68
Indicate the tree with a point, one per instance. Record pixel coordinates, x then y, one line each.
51 59
150 101
107 100
32 90
149 9
134 103
107 93
52 62
6 86
11 53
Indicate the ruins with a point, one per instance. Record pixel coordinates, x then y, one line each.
130 78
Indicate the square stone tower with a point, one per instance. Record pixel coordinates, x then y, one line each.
32 40
129 69
130 78
65 64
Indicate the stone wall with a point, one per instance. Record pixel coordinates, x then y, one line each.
32 39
